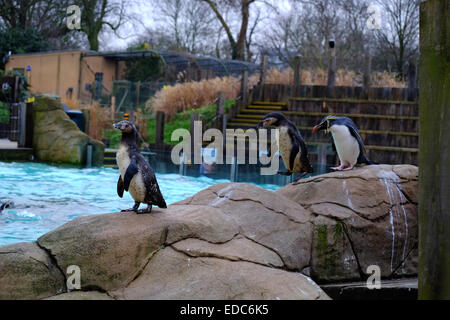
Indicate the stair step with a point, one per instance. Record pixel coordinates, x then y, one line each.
248 116
350 115
270 103
111 166
255 111
275 108
235 123
245 120
399 149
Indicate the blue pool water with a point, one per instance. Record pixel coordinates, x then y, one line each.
45 196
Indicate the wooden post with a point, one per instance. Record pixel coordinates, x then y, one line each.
159 134
434 152
17 92
262 78
244 88
221 104
195 147
220 109
113 108
224 127
412 80
297 72
331 68
29 126
366 76
22 124
138 91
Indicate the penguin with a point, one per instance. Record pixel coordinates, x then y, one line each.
292 146
136 174
5 205
347 141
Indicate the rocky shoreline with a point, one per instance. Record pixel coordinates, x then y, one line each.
232 241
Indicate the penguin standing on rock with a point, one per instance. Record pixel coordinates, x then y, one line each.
136 174
349 145
292 146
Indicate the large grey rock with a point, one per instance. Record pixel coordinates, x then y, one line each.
173 275
363 217
27 272
112 249
238 233
236 240
57 139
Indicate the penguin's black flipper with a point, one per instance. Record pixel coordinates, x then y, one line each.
355 133
297 137
362 149
129 174
294 151
363 159
120 187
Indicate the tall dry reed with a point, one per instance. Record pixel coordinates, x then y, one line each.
192 95
344 77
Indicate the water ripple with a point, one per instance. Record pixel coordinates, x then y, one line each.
45 196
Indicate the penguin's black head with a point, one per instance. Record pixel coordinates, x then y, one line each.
272 119
325 123
125 126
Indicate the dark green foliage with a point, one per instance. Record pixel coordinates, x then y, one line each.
4 113
143 69
20 41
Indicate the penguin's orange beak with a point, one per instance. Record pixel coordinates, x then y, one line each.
320 126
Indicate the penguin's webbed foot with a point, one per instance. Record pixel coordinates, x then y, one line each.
146 210
135 208
340 168
301 175
348 169
285 173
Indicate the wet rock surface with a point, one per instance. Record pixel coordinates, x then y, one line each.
238 241
362 217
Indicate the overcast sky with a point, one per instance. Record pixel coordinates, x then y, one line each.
147 15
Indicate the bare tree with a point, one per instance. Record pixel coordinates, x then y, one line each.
186 25
306 30
99 15
399 34
238 43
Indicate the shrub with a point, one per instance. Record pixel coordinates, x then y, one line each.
4 113
192 95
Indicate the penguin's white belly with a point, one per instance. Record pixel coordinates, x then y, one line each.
285 150
346 145
137 187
